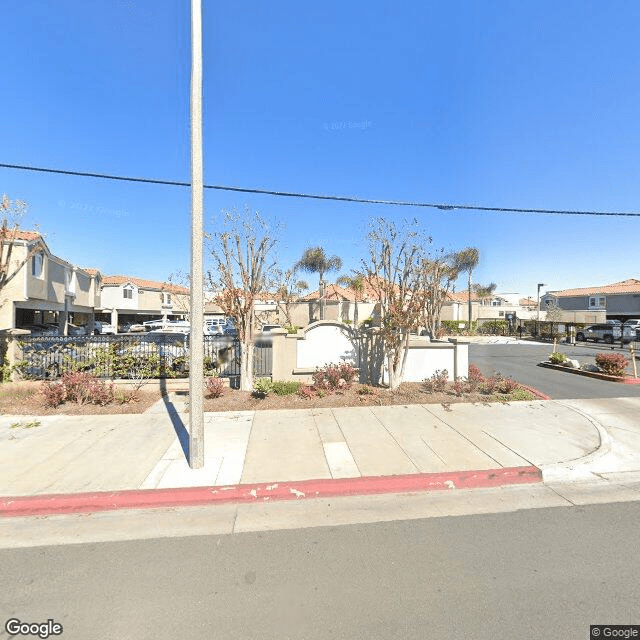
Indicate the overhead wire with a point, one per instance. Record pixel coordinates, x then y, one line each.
316 196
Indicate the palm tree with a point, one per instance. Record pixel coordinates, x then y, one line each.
314 260
356 285
467 260
484 291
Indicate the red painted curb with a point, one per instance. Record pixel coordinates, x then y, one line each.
325 488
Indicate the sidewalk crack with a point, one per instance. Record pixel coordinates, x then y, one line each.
462 435
396 441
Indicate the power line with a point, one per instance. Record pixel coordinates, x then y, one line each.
317 196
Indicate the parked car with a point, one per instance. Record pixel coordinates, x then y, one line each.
608 333
136 328
41 329
634 325
76 330
150 325
613 322
104 328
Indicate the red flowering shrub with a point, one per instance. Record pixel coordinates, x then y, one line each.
53 394
215 388
437 382
82 388
305 391
613 364
333 377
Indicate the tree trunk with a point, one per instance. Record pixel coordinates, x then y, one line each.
355 315
469 300
246 367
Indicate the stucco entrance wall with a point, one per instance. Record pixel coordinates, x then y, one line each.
296 356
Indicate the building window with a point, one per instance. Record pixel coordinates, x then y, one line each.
166 298
597 302
37 262
128 294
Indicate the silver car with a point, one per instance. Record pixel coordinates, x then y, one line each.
608 333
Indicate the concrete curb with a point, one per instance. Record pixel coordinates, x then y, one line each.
578 469
41 505
590 374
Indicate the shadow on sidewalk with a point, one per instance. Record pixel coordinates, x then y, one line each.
176 420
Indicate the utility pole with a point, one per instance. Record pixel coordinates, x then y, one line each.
540 285
196 352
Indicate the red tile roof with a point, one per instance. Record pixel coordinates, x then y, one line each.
20 234
144 284
462 296
631 285
332 292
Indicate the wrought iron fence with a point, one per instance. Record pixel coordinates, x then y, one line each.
148 355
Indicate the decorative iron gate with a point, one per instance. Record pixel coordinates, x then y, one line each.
149 355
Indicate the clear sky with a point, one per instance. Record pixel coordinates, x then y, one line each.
496 103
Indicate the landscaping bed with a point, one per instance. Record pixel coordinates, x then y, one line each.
330 389
609 366
626 379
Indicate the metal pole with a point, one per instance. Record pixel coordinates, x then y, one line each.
196 352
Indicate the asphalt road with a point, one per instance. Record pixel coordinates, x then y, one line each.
520 362
545 573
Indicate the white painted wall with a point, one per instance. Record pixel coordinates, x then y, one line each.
324 344
424 362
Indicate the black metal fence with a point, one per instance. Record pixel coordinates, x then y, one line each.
148 355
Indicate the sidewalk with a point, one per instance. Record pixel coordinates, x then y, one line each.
308 452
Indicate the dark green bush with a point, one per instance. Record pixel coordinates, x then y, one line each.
285 387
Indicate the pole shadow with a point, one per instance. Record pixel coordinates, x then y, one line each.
176 420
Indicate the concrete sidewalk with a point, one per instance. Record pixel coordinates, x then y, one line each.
77 454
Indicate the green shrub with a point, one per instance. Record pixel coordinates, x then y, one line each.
366 390
494 327
521 394
262 387
292 328
285 387
452 327
613 364
557 357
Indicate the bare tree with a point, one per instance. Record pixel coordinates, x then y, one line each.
241 271
393 272
177 285
315 260
288 291
553 316
438 276
11 214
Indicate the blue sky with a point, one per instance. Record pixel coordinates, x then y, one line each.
496 103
